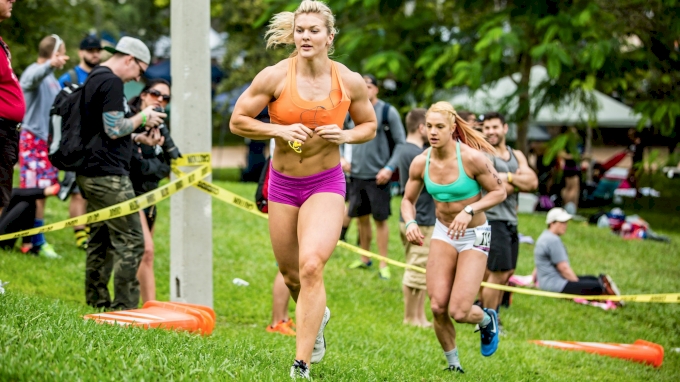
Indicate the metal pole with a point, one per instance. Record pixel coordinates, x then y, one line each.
191 278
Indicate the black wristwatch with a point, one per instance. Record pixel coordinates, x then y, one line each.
469 210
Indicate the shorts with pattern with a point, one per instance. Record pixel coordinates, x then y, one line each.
35 169
416 255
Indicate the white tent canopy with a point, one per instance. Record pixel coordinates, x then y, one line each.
610 112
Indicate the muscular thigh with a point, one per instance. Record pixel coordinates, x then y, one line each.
283 221
441 270
319 225
471 266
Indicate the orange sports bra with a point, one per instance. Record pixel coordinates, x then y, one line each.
290 108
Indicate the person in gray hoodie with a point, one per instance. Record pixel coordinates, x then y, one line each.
40 88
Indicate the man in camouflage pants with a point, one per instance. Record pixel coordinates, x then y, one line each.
114 245
107 124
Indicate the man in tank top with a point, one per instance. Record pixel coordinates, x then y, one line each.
517 176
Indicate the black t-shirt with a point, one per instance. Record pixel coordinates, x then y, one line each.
103 92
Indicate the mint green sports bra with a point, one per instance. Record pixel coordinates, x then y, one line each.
462 188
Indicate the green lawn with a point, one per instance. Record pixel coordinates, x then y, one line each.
43 337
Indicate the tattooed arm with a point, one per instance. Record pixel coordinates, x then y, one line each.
116 125
487 177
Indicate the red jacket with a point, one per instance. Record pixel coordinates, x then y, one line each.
12 104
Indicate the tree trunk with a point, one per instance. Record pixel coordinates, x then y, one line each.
524 105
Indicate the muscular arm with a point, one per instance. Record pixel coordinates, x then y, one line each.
413 188
525 178
360 110
565 270
116 125
487 177
253 101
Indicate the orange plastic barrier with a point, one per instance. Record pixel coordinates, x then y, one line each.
149 318
163 315
640 351
202 313
195 306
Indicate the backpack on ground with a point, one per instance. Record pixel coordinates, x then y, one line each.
262 192
66 148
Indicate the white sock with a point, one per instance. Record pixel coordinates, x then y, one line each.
452 357
485 321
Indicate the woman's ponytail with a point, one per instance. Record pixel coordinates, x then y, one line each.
463 131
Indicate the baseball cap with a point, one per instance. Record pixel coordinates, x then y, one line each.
134 47
557 214
90 42
371 78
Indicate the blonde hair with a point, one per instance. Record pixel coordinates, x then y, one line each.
464 132
282 25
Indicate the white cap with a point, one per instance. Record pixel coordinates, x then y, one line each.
134 47
557 214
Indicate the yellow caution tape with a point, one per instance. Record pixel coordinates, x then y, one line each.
213 190
663 297
121 209
193 178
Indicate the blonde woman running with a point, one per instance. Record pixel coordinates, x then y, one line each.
454 171
308 96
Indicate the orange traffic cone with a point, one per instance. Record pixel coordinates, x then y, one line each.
640 351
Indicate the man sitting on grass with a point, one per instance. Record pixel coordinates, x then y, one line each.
554 274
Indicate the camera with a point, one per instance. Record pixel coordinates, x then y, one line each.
169 147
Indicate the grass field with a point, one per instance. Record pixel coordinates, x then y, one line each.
43 337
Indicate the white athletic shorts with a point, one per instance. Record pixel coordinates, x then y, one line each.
478 238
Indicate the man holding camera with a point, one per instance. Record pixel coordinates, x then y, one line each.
107 124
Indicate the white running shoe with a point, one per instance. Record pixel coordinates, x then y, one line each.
299 370
320 344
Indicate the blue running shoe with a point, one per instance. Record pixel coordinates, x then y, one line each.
489 334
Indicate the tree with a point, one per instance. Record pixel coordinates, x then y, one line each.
246 24
32 20
511 37
647 71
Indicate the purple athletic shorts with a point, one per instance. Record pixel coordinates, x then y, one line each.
295 191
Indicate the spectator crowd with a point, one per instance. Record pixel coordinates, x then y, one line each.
124 147
127 152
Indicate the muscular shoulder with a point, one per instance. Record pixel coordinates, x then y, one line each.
418 165
474 160
353 81
521 158
271 77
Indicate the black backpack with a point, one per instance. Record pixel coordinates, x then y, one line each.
386 128
390 139
67 151
262 192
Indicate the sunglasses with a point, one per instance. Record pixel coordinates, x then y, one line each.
141 70
156 93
